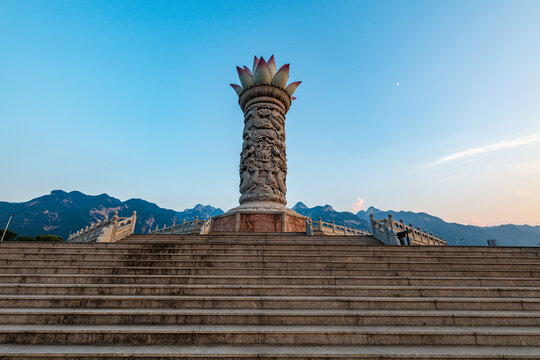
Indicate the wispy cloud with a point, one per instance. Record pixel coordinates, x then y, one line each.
357 206
474 221
487 148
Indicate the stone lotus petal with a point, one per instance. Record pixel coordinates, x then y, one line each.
272 66
281 77
237 88
245 78
293 98
255 64
291 88
262 74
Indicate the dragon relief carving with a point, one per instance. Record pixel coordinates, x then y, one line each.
263 161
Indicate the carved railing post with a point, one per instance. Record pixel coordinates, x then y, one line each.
413 236
133 221
309 227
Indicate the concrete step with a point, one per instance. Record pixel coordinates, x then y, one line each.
256 254
269 290
167 241
266 352
263 242
282 317
269 302
269 335
315 256
166 265
250 242
285 247
320 280
251 237
279 264
242 271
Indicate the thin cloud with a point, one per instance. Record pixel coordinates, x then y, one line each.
357 206
473 221
487 148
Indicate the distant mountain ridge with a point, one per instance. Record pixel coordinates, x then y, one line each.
506 235
455 234
328 214
61 213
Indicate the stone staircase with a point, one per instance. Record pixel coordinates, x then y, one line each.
267 296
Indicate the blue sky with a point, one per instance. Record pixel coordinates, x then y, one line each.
425 106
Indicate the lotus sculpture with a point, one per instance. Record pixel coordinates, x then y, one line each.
265 73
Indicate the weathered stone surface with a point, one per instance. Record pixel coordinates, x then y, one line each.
295 223
223 224
260 222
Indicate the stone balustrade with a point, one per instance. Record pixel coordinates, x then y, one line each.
393 232
186 227
324 228
108 230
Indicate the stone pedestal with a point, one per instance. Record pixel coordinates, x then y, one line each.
260 218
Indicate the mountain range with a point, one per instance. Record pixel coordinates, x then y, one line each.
459 234
62 213
328 214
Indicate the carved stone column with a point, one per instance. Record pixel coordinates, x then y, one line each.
265 99
263 161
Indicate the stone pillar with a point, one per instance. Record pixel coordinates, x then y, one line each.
264 98
263 161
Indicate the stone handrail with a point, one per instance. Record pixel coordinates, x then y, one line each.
393 232
186 227
324 228
108 230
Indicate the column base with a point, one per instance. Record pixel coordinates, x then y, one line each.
259 217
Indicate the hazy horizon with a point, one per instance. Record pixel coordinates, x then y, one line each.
421 106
